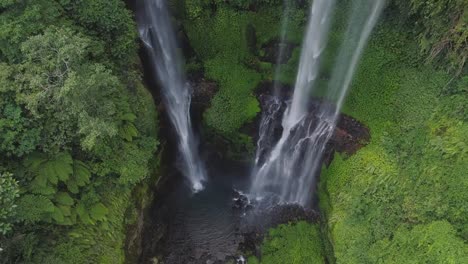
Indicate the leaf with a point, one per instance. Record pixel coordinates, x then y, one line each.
66 210
44 190
64 198
83 214
98 212
53 170
63 166
128 117
40 181
81 173
34 208
73 216
34 160
47 172
72 186
58 216
128 131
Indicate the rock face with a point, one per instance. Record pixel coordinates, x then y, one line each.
203 92
271 49
349 135
258 218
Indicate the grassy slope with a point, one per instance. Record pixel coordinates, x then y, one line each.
402 197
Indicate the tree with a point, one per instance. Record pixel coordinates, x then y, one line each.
18 134
9 192
65 92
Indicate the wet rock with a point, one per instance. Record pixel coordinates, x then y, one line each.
349 135
270 51
258 221
267 88
203 91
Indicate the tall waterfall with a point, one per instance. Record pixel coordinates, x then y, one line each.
288 171
159 38
281 45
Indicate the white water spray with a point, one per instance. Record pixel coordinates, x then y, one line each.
159 38
289 170
281 47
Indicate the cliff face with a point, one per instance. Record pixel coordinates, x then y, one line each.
395 163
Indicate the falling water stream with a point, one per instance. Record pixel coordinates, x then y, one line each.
159 38
209 226
281 46
288 170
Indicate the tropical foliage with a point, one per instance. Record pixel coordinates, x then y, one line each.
294 243
77 129
402 197
441 28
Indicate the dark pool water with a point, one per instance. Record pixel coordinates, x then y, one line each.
200 227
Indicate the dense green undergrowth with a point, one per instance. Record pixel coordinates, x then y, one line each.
295 243
229 46
402 198
229 39
77 130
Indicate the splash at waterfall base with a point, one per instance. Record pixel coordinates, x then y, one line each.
347 136
219 224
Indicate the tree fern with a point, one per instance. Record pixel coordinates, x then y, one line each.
98 212
81 173
128 131
57 215
46 173
46 169
83 214
47 190
128 117
34 208
64 198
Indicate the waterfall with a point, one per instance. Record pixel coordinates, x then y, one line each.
272 105
281 46
159 38
288 171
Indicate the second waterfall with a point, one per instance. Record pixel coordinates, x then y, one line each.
287 171
159 38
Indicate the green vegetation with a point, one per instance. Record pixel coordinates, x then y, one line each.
8 194
226 52
402 198
229 47
296 243
77 130
441 28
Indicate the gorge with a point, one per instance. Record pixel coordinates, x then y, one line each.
214 224
288 170
233 131
157 35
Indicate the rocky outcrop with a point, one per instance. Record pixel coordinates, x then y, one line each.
349 136
202 92
271 48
